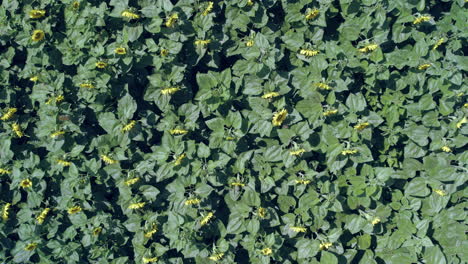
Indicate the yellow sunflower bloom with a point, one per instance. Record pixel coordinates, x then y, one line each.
368 48
9 114
74 210
37 13
64 163
108 160
30 246
27 183
171 20
136 205
206 219
349 151
169 91
279 117
375 221
41 217
216 257
298 229
421 19
208 9
325 245
37 35
267 251
130 15
131 181
5 211
312 13
120 51
424 66
129 126
270 95
309 52
101 64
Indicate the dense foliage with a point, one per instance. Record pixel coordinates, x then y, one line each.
244 131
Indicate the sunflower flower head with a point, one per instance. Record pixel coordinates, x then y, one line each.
179 159
132 181
42 216
237 184
421 19
424 66
192 201
279 117
30 246
361 126
309 52
375 220
130 15
202 42
171 20
63 163
37 13
325 245
97 231
101 64
208 9
6 211
4 171
296 152
37 35
129 126
312 14
216 257
349 152
108 160
120 51
136 205
446 149
17 129
206 219
151 232
164 52
149 260
330 112
266 251
9 114
440 192
57 134
250 43
298 229
368 48
34 78
270 95
26 183
438 43
261 212
170 90
177 131
87 85
323 86
301 181
74 210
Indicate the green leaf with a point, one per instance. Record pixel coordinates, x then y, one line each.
356 102
127 107
328 258
433 255
307 248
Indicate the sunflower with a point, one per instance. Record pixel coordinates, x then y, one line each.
37 35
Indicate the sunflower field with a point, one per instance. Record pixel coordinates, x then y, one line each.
233 131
